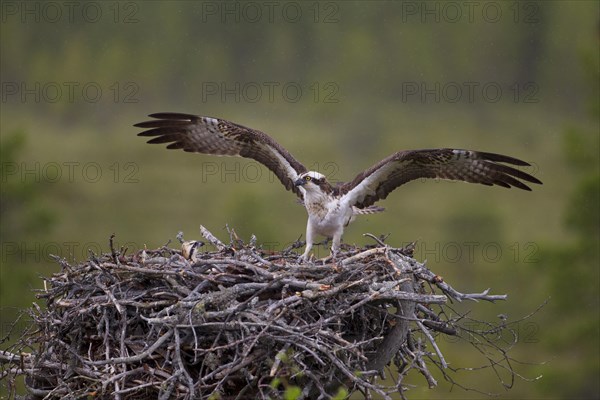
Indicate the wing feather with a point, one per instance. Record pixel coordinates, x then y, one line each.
452 164
207 135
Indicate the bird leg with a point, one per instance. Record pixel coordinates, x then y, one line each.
309 244
306 255
335 246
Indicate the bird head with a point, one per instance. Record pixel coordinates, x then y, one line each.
313 181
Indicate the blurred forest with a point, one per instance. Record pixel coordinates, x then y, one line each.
341 85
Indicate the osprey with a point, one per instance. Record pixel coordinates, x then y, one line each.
331 208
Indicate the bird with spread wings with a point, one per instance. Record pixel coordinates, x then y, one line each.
330 207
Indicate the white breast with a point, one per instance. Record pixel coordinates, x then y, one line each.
327 214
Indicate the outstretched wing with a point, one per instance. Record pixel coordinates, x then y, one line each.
208 135
459 165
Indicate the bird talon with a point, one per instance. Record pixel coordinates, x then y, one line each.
303 259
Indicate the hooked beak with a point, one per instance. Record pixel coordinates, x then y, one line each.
299 182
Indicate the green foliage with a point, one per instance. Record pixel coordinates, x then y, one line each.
353 44
572 270
23 216
341 394
22 209
468 224
214 396
579 148
292 393
583 214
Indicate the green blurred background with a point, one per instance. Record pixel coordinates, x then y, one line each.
341 85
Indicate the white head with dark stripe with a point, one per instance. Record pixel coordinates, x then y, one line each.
313 182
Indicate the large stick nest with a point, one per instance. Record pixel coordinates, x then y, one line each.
237 322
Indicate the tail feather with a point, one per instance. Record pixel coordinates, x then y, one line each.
368 210
356 211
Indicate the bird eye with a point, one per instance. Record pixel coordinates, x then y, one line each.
307 178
